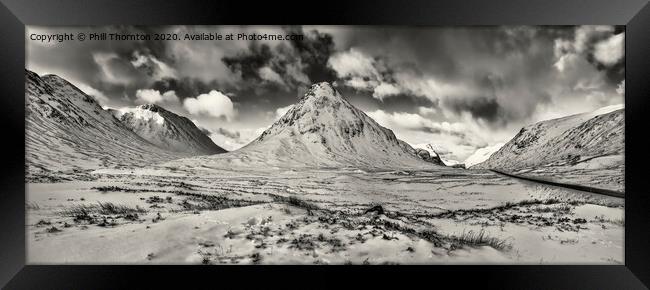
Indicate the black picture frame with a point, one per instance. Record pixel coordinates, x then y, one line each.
15 14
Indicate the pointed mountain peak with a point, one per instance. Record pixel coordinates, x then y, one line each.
322 90
166 129
324 129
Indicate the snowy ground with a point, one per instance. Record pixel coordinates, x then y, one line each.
310 216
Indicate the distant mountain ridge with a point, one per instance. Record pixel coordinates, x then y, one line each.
324 130
167 130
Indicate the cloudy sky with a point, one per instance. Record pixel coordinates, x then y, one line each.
460 89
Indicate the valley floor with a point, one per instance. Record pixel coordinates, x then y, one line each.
212 216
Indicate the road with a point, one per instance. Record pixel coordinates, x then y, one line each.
596 190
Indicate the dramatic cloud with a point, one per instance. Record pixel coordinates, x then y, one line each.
266 73
603 46
610 51
353 63
415 122
214 103
290 64
148 96
154 67
482 108
385 90
424 111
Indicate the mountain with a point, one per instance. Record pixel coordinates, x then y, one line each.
586 149
68 131
167 130
567 140
426 152
324 130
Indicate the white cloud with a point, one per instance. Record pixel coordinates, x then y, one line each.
452 140
610 51
565 61
361 83
214 104
425 111
585 33
266 73
149 96
384 90
140 59
431 88
279 112
398 119
161 69
352 63
228 138
402 120
362 72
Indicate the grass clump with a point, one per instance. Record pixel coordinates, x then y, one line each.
480 238
294 201
102 208
198 202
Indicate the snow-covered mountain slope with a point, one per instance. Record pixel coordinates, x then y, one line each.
167 130
482 154
323 130
564 142
427 149
67 130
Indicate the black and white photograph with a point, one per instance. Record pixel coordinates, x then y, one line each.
336 145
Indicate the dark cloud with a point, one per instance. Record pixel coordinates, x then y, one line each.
483 108
287 65
314 50
248 63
